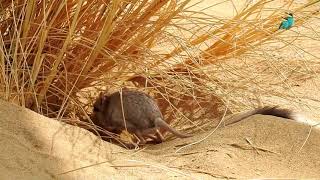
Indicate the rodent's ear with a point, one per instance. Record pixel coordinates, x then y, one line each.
96 105
104 100
99 103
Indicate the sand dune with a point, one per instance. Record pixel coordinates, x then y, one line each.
36 147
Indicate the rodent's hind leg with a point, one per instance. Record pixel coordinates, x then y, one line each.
155 139
160 137
154 134
140 138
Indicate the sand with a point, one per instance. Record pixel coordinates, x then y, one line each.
36 147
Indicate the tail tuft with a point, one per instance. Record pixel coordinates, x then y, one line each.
276 111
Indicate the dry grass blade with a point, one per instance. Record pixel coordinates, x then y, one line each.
57 62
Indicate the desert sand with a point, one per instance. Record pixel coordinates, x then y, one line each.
36 147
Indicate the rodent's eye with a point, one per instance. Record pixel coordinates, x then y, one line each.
95 109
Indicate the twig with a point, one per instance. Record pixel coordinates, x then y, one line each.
205 172
81 168
309 133
189 153
252 145
245 147
214 130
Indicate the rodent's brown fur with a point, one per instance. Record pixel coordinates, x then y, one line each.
140 116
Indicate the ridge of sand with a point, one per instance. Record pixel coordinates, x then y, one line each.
36 147
258 147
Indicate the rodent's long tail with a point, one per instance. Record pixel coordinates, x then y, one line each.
162 124
267 110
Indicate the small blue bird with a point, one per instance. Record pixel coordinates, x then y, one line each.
287 23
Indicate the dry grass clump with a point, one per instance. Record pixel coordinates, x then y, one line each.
56 55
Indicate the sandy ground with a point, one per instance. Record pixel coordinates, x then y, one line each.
36 147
